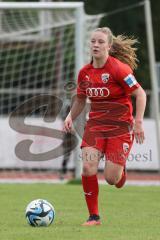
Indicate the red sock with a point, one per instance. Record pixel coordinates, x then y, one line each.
122 180
91 189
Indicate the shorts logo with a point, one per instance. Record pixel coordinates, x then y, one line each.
105 77
97 92
125 147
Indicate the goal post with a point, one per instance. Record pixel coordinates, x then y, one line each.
153 72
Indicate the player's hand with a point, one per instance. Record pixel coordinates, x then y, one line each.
139 132
68 124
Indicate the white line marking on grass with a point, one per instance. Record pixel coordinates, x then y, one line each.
137 182
28 181
59 181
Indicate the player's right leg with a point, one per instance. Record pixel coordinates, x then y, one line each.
91 157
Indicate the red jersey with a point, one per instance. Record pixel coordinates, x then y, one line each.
109 89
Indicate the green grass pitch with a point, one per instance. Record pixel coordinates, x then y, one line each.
132 213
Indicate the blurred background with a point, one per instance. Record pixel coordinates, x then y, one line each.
42 47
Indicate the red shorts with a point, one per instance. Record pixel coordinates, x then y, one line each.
115 149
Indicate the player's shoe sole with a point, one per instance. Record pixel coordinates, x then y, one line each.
91 223
93 220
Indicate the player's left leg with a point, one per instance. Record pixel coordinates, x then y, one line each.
117 151
115 174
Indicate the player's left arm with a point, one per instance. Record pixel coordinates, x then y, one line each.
132 87
140 96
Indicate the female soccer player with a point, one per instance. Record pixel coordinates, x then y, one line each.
108 82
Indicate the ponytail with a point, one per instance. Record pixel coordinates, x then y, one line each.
122 48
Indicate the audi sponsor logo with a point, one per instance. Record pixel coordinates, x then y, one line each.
97 92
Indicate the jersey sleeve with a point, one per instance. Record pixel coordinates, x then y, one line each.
81 88
126 78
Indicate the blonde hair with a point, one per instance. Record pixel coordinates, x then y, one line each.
121 47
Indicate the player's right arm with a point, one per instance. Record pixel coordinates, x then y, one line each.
76 109
78 103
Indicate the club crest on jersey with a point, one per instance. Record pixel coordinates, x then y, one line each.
105 77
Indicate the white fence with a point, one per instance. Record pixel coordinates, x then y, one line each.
143 157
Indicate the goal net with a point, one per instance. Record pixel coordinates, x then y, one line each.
39 59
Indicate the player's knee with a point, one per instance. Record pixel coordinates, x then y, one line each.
111 180
88 169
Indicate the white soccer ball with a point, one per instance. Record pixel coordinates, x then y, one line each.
40 212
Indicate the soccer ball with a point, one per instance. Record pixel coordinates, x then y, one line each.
40 212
